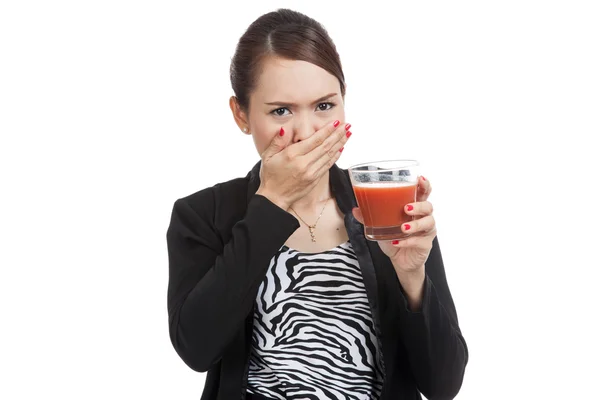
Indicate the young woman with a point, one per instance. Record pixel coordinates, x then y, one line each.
273 288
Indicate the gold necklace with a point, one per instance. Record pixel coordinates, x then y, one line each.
311 228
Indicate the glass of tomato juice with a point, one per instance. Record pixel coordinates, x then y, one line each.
382 190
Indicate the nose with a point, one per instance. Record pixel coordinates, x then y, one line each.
304 128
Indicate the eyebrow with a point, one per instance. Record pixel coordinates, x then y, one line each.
285 104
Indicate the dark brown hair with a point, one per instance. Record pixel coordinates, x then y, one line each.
283 33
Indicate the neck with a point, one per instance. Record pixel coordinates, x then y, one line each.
316 197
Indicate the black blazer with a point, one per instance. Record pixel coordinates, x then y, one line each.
220 241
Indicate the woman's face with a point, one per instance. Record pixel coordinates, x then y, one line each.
296 95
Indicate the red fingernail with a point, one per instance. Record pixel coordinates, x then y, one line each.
348 126
423 178
336 123
281 131
409 207
406 227
348 134
342 149
395 242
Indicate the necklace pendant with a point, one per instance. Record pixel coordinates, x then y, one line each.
312 233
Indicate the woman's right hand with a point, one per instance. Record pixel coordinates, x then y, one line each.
289 172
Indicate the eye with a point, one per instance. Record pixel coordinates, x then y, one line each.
325 106
280 112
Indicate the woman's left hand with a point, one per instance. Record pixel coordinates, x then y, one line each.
409 255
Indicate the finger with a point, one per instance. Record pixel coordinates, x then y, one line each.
319 140
279 142
358 215
419 242
423 189
316 170
326 158
419 208
419 226
335 142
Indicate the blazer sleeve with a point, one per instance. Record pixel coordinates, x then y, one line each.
212 286
436 348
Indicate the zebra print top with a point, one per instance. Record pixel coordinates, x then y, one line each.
313 335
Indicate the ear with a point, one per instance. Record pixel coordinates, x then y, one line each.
240 117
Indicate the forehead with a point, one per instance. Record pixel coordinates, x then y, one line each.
293 80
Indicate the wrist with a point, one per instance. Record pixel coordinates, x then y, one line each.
274 199
410 276
413 285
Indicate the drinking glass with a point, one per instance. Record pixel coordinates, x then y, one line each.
382 190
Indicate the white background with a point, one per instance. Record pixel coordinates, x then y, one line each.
111 110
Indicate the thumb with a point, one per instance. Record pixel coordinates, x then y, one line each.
358 215
279 142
